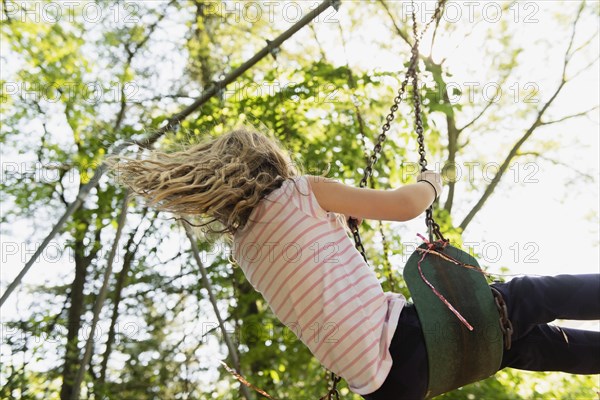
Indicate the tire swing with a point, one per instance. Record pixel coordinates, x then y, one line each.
464 321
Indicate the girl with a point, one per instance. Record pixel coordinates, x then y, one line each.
289 235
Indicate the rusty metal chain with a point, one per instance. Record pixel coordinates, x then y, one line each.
386 126
505 325
432 226
378 147
333 391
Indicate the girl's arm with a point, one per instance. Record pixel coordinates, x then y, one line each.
401 204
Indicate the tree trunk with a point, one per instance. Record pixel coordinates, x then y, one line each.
119 286
71 360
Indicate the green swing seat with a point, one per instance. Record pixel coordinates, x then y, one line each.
456 355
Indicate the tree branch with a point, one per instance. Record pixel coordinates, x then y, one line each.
4 8
490 188
463 37
130 56
89 346
488 104
536 123
435 30
399 31
576 74
130 251
580 114
213 300
316 37
587 176
568 54
584 44
470 123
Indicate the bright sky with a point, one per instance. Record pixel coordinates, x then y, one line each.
542 219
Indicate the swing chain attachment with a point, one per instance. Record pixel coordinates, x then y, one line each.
333 391
505 325
432 226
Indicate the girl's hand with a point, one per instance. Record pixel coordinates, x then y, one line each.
357 220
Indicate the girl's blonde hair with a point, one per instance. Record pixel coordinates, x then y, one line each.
223 178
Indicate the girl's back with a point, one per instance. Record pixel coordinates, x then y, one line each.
301 259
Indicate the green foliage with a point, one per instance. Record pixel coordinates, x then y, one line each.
516 385
165 342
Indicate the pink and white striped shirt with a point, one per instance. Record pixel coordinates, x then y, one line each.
304 263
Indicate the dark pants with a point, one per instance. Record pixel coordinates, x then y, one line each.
532 303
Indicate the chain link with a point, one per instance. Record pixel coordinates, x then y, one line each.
505 325
333 391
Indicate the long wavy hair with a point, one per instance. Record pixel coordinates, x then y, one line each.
223 178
